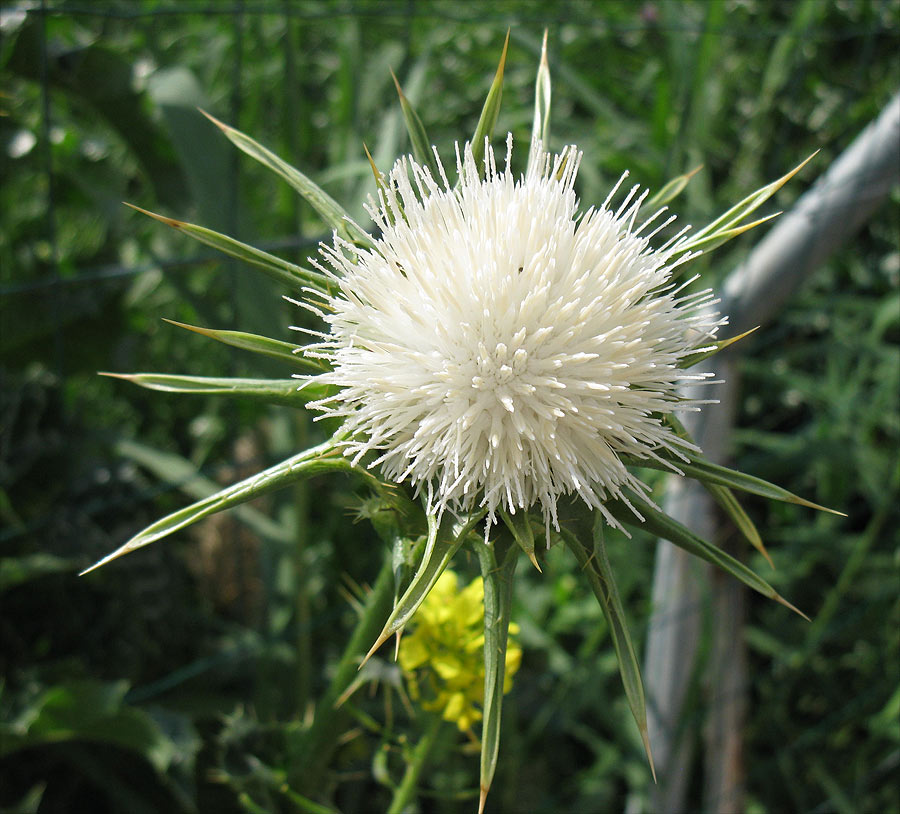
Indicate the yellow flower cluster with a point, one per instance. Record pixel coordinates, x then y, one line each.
442 651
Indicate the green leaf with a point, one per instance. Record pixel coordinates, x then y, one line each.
497 573
185 476
671 190
418 138
729 504
712 241
519 526
405 553
595 564
490 111
726 226
330 210
540 129
274 391
443 541
323 458
710 350
288 274
86 709
708 472
274 348
660 524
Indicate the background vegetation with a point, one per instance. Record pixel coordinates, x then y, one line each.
172 680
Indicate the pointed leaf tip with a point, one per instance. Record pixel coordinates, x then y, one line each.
375 171
485 127
520 527
418 137
645 737
273 348
782 601
220 124
329 210
396 83
100 563
280 270
175 224
540 128
800 501
442 543
303 465
382 638
730 505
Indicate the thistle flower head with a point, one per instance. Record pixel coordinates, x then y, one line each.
497 348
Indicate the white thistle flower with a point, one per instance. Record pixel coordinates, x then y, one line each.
499 349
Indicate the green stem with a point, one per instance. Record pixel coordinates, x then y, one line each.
406 790
313 748
302 607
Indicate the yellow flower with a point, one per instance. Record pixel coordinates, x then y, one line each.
442 651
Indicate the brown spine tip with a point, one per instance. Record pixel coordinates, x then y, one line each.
214 120
175 224
195 328
782 601
396 84
645 737
385 635
502 64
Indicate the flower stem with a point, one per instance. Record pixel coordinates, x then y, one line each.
407 788
314 747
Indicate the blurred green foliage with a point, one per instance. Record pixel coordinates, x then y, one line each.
171 680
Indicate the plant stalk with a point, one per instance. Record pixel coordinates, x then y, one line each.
407 788
314 747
